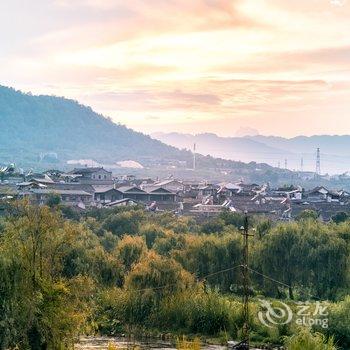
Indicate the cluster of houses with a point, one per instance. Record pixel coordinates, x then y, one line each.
96 187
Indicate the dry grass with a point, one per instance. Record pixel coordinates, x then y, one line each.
184 344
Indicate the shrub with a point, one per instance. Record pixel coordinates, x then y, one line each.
305 340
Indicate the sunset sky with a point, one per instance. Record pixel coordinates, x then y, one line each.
279 66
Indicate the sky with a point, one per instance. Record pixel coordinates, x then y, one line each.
279 66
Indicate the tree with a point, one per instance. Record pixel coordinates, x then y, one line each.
205 255
53 200
127 222
213 226
151 232
234 219
158 274
39 309
307 214
130 250
278 255
340 217
306 254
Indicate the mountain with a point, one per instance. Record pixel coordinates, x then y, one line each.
335 150
331 144
32 125
238 148
47 131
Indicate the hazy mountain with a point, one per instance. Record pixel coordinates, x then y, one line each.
335 150
31 126
330 144
238 148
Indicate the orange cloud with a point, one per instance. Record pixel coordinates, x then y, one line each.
201 65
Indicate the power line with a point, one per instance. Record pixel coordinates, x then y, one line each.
200 280
269 278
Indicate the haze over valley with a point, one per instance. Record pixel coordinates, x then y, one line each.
298 153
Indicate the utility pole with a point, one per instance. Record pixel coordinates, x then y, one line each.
244 344
286 164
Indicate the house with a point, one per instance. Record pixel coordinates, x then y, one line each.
318 194
338 196
207 190
93 175
229 189
69 197
160 194
27 185
248 189
290 192
133 192
8 191
171 185
107 194
210 210
154 193
43 179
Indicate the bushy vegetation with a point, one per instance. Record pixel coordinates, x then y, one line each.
114 271
305 340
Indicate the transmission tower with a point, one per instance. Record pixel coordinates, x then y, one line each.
194 156
286 164
302 164
318 162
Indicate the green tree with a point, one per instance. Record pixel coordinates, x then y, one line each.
127 222
158 274
278 256
206 255
53 200
39 308
340 217
130 250
307 214
151 232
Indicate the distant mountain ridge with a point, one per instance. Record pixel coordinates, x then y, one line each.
273 150
31 126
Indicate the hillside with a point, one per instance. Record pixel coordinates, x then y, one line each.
31 125
34 125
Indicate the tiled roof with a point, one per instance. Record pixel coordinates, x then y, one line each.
62 192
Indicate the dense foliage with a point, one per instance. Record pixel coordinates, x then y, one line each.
114 271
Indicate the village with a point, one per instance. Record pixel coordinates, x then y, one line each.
86 187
